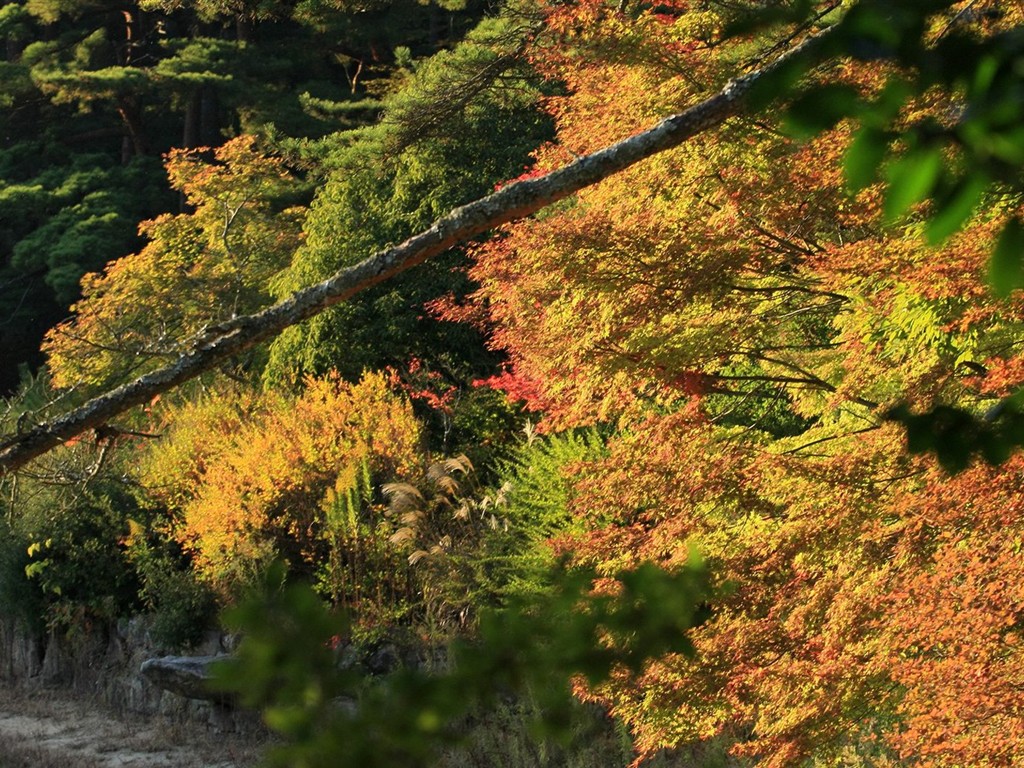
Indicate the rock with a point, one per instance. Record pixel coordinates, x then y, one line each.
382 659
188 676
57 662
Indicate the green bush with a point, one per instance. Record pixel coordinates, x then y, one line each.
535 499
183 607
76 553
20 598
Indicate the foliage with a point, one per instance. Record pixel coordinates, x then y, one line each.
182 607
101 92
362 569
198 268
723 307
469 416
949 160
537 491
472 547
76 553
746 318
251 478
20 599
384 184
943 161
286 665
957 437
56 224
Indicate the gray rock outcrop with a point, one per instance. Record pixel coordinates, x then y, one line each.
187 676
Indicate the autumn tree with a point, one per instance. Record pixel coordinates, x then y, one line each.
199 268
92 96
722 306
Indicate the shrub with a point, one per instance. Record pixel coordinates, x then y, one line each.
20 598
182 606
252 477
76 552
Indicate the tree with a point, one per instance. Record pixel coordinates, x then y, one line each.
198 268
386 183
741 324
221 341
92 96
867 29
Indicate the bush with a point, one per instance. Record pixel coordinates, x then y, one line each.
76 552
183 607
251 478
20 599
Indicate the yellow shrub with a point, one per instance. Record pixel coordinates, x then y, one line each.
255 477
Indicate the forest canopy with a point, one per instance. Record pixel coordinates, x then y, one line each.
740 279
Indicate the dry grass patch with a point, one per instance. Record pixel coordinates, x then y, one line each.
47 729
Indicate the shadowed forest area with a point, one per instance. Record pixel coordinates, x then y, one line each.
707 420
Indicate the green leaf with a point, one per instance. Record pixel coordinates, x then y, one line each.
864 23
290 720
1008 145
819 109
1006 271
984 73
955 207
911 179
865 156
890 101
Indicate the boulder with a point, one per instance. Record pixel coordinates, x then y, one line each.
187 676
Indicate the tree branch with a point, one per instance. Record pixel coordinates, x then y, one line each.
510 203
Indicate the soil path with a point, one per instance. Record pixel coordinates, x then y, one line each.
47 730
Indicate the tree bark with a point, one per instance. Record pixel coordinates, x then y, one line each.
516 201
209 118
190 133
131 116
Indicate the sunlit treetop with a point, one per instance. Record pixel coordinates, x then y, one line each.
198 268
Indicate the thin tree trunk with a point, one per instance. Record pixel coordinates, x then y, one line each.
128 109
243 29
14 46
190 133
209 116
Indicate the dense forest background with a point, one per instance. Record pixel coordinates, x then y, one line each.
709 361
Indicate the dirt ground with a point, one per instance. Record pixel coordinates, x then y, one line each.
42 730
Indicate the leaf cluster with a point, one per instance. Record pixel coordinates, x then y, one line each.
286 666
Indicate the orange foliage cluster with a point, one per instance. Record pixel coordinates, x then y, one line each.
868 600
253 478
744 321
